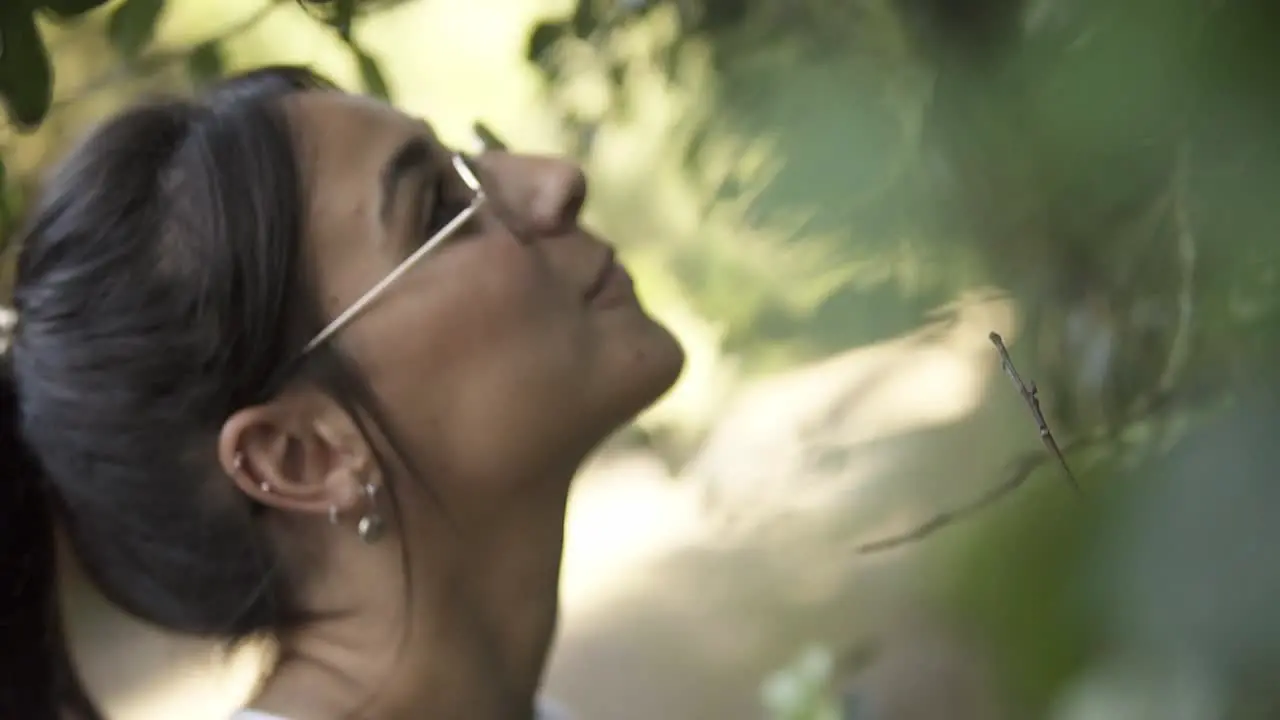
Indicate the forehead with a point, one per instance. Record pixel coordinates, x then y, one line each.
344 145
350 133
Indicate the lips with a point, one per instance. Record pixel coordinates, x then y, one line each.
601 280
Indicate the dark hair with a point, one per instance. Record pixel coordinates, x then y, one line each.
160 286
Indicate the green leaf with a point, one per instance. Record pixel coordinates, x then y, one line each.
10 210
585 21
26 77
70 8
375 83
133 25
6 216
337 14
205 63
344 14
544 36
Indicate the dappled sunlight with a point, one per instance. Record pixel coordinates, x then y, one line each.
139 673
625 510
655 575
927 378
708 375
776 207
797 421
196 691
456 63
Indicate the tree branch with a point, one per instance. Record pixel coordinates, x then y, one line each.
1028 393
1026 466
1022 472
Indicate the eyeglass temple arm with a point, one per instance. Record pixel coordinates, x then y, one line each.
363 302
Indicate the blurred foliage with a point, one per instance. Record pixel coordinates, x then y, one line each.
799 690
28 84
1108 164
1094 159
799 170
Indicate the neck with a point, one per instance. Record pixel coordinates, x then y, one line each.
483 601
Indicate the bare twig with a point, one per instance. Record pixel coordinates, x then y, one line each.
1028 393
1022 472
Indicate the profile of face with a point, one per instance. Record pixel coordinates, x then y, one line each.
504 355
322 301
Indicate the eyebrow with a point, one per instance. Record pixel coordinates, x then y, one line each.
413 155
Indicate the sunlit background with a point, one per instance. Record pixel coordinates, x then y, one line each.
833 203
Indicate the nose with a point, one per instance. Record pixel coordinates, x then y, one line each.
560 195
539 195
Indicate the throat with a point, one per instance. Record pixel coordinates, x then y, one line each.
473 643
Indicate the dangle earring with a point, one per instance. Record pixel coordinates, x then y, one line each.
371 524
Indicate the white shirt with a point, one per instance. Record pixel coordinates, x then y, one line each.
545 710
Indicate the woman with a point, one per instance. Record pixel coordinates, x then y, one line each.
286 365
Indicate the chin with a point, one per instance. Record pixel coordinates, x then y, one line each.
652 369
668 364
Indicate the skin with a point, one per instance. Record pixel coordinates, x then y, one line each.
496 376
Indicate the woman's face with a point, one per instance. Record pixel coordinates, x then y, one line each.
500 356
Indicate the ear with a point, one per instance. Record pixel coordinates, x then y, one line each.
301 452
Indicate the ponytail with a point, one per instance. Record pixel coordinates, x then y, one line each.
37 678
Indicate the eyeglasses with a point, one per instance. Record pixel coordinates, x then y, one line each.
486 141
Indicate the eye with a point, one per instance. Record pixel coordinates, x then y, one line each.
447 203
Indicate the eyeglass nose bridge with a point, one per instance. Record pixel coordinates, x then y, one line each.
462 165
468 176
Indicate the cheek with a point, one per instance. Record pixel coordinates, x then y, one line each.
512 393
443 315
473 363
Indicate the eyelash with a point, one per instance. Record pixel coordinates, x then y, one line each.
444 208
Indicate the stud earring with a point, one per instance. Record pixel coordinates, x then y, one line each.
371 525
237 464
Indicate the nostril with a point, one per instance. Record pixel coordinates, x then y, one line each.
577 196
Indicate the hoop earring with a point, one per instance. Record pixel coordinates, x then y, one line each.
237 464
371 525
